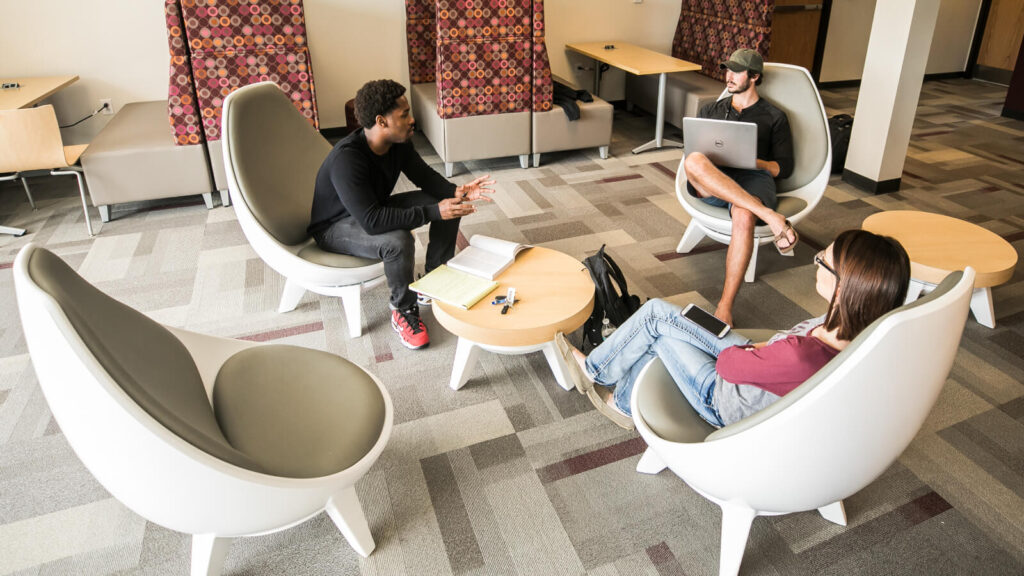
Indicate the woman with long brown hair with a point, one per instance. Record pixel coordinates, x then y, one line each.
862 275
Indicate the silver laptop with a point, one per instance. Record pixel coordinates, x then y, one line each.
724 142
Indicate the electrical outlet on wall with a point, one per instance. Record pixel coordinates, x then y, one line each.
108 108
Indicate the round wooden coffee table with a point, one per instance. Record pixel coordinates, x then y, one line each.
554 293
938 245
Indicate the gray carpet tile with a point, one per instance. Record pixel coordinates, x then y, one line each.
511 474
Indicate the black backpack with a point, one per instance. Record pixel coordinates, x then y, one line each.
611 297
839 128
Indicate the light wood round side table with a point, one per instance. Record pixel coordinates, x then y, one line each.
938 245
554 294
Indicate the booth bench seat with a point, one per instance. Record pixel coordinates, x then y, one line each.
134 158
685 94
553 132
470 137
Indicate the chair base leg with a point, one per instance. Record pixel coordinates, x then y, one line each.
347 514
12 230
736 521
225 198
208 553
350 301
208 200
28 193
691 237
536 160
524 161
104 213
650 463
449 169
290 297
834 513
77 173
603 152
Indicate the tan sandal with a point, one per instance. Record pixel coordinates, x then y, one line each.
620 419
783 236
580 379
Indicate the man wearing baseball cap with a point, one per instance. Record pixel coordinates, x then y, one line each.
749 194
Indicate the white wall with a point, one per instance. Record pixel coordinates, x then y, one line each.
850 26
651 24
119 47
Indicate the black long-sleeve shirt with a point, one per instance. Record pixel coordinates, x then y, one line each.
355 181
774 140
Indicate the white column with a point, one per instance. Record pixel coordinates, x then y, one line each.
901 38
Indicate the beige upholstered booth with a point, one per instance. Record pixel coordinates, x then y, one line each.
30 140
135 158
470 137
213 437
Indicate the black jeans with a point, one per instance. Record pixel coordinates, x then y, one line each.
396 247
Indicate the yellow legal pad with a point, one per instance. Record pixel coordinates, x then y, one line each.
453 287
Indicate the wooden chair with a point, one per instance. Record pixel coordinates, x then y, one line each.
30 140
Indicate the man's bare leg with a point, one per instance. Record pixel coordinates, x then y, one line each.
708 180
737 258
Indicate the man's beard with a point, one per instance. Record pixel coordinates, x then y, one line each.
740 88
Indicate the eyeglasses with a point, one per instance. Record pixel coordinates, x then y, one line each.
819 259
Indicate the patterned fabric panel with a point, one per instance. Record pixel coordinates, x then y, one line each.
543 89
469 20
421 34
484 77
420 9
182 112
753 12
709 41
538 18
236 25
219 74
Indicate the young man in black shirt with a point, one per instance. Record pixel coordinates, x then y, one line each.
355 213
749 194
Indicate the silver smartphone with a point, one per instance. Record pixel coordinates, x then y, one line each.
705 321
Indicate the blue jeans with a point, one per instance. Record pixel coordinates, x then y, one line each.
659 329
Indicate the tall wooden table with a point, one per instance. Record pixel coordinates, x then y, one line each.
938 245
555 294
642 62
30 91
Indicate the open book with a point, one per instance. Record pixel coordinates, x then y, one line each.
453 287
486 257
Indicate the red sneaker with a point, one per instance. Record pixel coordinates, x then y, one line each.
410 328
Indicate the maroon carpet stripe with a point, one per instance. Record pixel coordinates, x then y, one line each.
1011 238
591 460
622 178
665 257
664 560
284 332
666 171
385 357
6 265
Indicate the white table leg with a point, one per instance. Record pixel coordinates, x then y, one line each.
466 352
981 305
659 128
558 367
